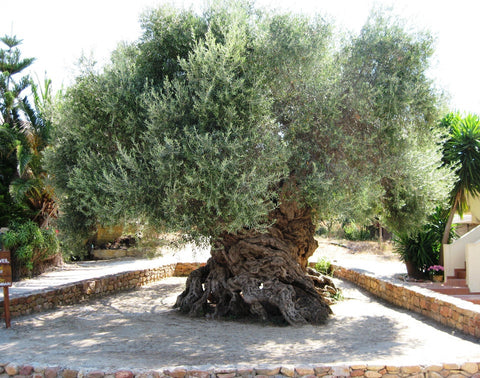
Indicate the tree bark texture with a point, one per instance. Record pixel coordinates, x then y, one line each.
264 275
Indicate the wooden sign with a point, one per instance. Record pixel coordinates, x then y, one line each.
6 282
5 269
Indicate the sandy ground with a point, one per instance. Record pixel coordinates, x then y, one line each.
140 330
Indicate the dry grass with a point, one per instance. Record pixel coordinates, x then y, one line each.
331 247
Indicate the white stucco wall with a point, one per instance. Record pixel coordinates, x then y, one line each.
454 254
472 258
474 205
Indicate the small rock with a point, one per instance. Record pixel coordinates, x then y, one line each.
198 374
123 374
451 366
322 370
340 371
304 370
39 369
392 369
245 372
372 374
176 373
357 373
11 369
95 374
268 372
67 373
470 367
358 367
410 369
25 370
51 372
287 371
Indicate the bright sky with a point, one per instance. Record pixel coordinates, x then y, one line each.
56 32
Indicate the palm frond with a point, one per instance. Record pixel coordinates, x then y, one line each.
462 153
23 159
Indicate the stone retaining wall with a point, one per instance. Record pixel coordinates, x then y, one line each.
449 311
446 370
92 288
77 292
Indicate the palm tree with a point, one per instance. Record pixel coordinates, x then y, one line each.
12 88
24 134
462 151
30 188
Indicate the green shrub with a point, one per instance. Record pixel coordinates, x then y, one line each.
422 248
30 247
355 232
324 266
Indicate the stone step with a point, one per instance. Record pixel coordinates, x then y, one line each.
456 282
474 298
460 273
451 290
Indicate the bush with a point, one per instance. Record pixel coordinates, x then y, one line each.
422 248
355 232
324 266
31 247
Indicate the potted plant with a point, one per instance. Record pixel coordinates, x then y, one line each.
415 251
435 273
421 249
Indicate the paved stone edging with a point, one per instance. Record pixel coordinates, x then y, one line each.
469 369
447 310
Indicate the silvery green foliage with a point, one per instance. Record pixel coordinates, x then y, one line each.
201 124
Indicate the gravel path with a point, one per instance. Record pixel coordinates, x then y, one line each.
139 330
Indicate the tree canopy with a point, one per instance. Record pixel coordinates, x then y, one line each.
247 127
196 125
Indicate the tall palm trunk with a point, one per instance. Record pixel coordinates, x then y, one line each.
448 226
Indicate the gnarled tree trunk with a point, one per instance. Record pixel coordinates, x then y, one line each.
262 274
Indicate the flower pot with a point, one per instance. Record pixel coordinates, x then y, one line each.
437 277
412 271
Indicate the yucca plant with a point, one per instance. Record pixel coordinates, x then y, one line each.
422 248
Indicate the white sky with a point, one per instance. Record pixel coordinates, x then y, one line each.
56 32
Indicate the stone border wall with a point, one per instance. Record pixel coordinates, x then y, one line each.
69 294
469 369
449 311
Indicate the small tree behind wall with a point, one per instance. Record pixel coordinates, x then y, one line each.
260 125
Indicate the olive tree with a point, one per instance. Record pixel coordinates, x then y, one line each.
242 127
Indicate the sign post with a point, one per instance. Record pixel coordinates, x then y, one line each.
6 282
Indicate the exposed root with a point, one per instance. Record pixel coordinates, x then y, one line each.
262 275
